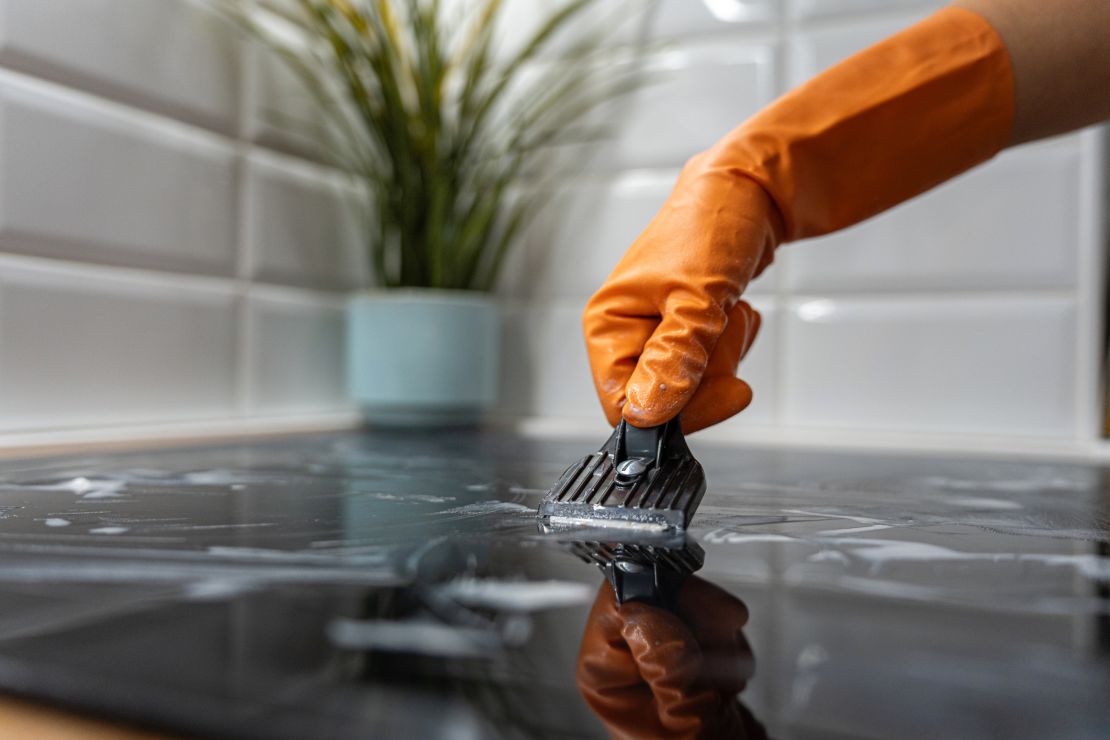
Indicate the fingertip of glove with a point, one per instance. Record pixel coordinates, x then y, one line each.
637 417
651 402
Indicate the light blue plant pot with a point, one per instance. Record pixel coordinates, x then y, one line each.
423 357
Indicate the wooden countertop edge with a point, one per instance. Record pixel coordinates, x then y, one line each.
20 720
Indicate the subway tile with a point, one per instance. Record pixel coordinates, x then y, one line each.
650 20
544 367
811 51
546 372
81 348
174 56
91 182
819 8
760 369
684 18
960 364
582 231
692 95
1012 223
296 355
306 224
281 112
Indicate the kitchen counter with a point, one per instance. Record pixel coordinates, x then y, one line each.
396 584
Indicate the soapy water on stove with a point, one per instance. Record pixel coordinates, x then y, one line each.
84 488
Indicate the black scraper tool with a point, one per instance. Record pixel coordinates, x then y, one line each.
641 478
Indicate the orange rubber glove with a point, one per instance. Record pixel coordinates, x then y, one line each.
666 331
648 673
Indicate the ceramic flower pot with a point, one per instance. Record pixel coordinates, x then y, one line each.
422 357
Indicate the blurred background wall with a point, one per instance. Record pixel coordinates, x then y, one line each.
168 255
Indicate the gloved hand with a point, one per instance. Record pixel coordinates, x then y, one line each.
666 330
648 673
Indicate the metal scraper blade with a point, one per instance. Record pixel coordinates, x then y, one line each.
643 479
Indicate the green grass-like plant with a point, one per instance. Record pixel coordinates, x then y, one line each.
442 129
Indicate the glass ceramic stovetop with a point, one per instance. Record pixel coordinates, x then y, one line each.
396 585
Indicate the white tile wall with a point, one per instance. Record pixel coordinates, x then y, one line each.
814 49
628 20
296 357
144 217
832 8
92 181
163 54
85 347
280 113
695 94
1022 231
305 224
683 18
978 364
544 366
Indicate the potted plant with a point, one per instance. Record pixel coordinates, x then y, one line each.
424 107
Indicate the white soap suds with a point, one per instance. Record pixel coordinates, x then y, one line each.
417 497
855 530
487 507
93 489
985 503
1032 484
827 515
527 491
56 522
217 589
728 537
824 556
880 552
84 488
421 638
517 596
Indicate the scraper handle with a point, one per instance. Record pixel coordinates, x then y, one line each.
638 450
642 442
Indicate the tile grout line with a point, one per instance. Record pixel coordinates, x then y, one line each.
244 330
780 302
1089 355
153 117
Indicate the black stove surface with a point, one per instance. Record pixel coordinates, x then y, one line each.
396 584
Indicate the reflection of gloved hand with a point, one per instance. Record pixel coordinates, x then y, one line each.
648 673
665 331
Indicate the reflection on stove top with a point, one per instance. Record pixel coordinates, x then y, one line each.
397 583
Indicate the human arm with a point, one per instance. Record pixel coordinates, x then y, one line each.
1060 52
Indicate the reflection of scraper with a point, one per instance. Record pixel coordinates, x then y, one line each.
625 508
650 570
644 479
